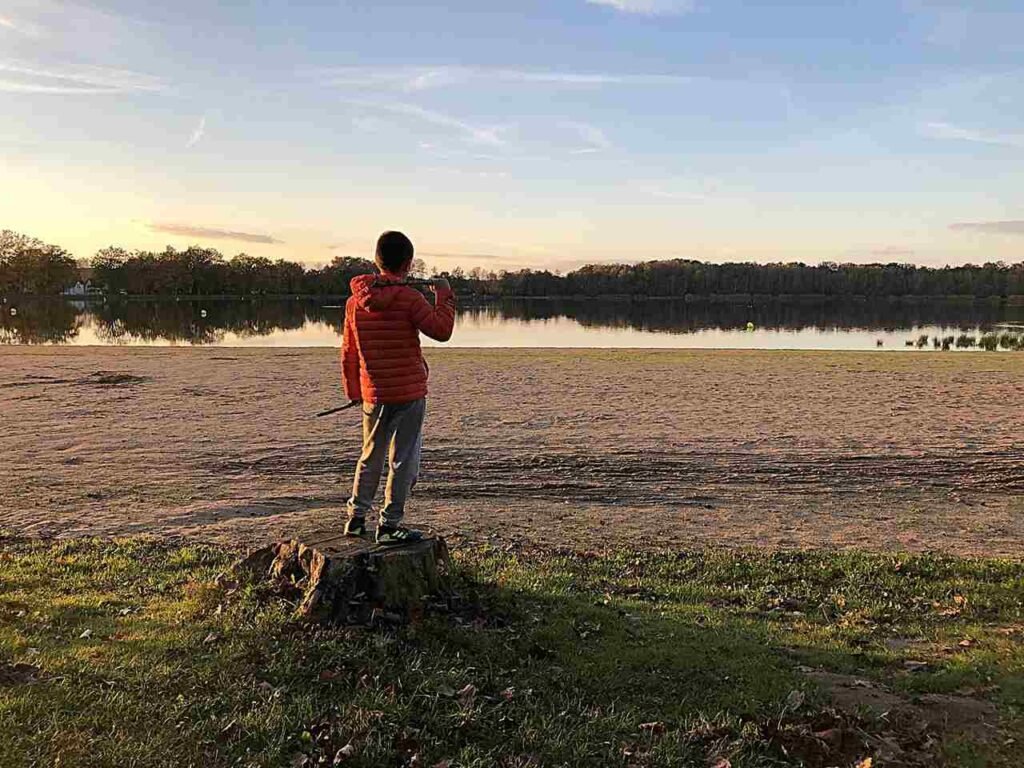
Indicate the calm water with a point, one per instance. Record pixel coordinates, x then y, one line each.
514 323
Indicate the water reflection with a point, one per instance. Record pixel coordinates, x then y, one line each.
531 322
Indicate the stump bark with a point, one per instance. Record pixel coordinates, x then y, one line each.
337 579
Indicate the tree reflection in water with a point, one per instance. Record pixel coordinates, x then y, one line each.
40 321
210 322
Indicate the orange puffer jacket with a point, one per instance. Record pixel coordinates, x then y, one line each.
381 361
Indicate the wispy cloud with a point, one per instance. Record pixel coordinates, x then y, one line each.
593 138
197 134
422 78
648 7
892 251
18 77
478 134
20 27
369 124
959 133
1014 227
471 257
208 233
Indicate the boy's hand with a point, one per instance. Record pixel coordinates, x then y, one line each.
440 284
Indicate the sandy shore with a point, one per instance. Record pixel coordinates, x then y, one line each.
653 448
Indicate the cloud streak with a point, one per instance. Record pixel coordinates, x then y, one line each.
197 134
18 77
593 138
649 7
19 27
208 233
892 251
958 133
422 78
991 227
478 134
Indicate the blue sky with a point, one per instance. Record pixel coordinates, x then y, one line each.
509 134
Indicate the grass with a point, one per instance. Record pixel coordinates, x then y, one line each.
990 342
123 653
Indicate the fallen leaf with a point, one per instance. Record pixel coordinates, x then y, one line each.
655 729
211 638
467 695
344 754
867 762
327 675
86 634
967 642
723 762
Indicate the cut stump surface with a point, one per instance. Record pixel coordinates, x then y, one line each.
338 579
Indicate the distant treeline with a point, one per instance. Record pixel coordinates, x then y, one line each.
29 266
197 271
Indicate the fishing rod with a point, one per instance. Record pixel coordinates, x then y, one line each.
380 282
413 281
340 408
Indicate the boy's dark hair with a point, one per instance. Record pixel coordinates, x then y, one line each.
394 251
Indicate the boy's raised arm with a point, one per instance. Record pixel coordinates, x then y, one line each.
350 357
435 321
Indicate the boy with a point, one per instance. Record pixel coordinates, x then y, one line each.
383 368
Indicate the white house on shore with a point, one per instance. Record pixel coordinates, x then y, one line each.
84 285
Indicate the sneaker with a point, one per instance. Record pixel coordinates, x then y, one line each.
355 526
392 535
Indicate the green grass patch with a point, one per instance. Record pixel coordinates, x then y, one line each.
123 653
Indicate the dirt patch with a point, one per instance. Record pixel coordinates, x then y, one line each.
938 713
112 379
19 674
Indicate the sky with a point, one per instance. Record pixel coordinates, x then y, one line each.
520 133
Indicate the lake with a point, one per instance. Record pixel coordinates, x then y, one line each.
516 323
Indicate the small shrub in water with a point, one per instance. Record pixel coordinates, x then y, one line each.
922 341
963 341
989 342
1011 341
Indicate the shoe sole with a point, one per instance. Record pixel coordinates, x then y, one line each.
386 543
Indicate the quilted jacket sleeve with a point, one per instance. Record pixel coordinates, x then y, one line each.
435 321
350 356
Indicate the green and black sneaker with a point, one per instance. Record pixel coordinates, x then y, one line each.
355 526
390 536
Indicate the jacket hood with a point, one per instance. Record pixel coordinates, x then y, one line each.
370 295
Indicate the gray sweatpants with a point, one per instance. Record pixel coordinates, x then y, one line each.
392 433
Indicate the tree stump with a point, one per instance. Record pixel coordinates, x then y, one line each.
337 579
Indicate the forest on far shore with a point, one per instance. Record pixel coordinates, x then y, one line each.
29 266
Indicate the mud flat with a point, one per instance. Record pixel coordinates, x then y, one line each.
917 451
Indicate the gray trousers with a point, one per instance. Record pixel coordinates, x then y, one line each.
392 433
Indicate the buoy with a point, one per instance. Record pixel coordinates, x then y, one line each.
202 313
14 312
750 326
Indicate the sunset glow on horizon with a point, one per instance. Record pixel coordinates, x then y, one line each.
518 134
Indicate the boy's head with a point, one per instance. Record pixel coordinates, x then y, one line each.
394 252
